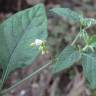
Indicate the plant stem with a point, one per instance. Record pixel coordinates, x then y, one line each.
74 41
87 46
84 49
26 78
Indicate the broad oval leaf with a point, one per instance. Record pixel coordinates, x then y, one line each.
67 14
89 68
16 35
66 59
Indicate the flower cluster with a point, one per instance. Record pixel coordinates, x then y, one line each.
41 44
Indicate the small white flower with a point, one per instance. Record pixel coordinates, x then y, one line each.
22 93
41 45
38 42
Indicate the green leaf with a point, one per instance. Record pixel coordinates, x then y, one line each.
89 68
66 59
67 14
92 41
16 35
88 22
74 17
84 36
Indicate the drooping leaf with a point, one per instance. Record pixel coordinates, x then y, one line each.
67 14
16 35
89 68
66 59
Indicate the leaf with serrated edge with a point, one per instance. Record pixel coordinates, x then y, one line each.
67 14
66 59
88 22
74 17
89 68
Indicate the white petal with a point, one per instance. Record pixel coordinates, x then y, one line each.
38 42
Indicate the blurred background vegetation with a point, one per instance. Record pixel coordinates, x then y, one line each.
69 82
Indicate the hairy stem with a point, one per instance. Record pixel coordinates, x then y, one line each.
74 41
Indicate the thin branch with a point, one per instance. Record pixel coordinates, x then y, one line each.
26 78
74 41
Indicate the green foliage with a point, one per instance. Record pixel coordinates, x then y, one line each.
89 67
74 17
16 35
84 36
70 55
66 59
25 27
87 22
92 41
68 14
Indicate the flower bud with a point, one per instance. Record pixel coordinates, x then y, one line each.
38 42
